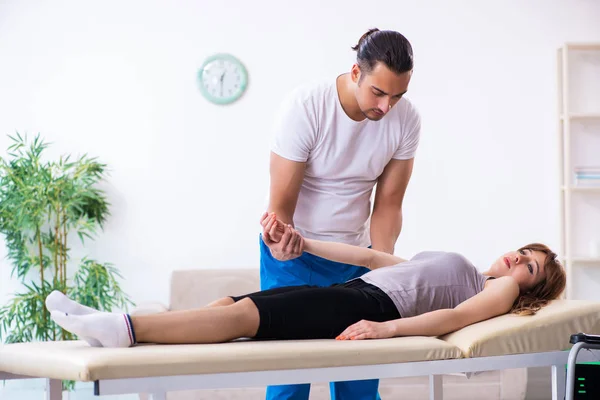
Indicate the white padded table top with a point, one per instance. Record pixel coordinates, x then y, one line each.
75 360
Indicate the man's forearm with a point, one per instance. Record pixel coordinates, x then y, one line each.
283 215
386 224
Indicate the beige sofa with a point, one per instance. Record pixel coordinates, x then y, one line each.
196 288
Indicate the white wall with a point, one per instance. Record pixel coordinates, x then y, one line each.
189 179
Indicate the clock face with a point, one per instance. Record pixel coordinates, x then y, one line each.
222 79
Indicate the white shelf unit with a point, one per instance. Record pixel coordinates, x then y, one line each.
581 116
581 189
579 144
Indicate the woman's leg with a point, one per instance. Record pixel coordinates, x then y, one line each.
205 325
319 312
223 320
225 301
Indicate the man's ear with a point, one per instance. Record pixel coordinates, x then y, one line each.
355 73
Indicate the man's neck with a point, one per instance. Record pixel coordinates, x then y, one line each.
347 98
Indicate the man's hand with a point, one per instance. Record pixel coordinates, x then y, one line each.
284 241
367 330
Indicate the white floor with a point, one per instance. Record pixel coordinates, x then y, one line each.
34 389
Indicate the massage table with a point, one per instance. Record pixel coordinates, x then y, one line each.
507 341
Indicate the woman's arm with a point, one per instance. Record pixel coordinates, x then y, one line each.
348 254
278 232
496 299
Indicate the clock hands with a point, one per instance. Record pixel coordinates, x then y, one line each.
221 81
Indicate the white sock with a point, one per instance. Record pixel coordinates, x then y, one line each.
57 301
110 329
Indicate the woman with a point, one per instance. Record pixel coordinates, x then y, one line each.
432 294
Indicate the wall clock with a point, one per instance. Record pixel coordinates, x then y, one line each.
222 78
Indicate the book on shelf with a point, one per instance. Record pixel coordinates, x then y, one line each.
592 169
587 176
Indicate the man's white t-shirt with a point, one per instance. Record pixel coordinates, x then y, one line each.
344 158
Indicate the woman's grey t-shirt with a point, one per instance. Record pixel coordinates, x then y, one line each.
431 280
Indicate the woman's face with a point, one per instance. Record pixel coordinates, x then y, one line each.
525 266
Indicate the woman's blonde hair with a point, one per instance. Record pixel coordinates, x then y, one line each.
548 289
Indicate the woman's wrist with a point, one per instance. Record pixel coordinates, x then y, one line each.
308 244
392 327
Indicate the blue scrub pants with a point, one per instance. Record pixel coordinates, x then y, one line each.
309 269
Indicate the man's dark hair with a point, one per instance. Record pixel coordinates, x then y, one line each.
388 47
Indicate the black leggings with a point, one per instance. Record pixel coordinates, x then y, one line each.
312 312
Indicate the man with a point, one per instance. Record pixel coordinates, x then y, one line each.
332 143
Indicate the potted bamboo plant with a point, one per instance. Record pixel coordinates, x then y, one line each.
45 206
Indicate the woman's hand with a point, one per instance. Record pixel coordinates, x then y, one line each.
291 243
367 330
276 232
